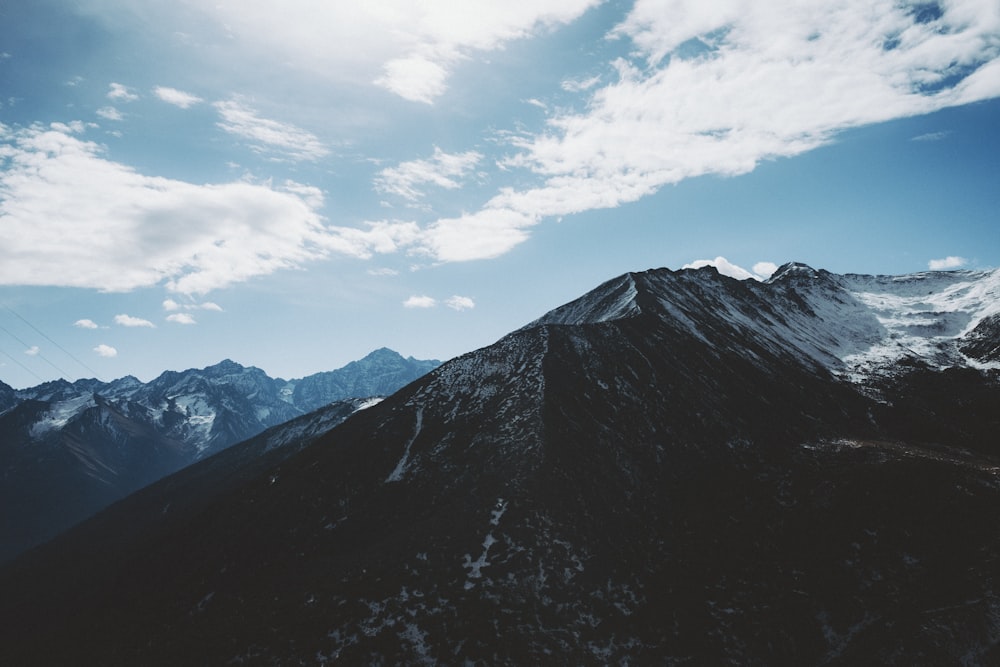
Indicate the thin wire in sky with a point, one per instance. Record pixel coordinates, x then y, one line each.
46 337
41 356
18 362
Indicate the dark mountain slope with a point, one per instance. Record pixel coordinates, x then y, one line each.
658 475
68 450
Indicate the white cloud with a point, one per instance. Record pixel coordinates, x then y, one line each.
765 269
123 93
33 351
950 262
170 306
269 135
70 217
442 170
773 79
422 301
414 78
384 271
106 351
85 324
408 48
460 303
931 136
724 267
181 318
580 85
176 97
110 113
486 234
129 321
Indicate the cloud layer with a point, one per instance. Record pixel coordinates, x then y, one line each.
445 170
716 89
407 48
71 217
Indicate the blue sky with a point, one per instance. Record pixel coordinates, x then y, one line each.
292 185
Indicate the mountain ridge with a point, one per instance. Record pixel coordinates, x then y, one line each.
690 483
68 449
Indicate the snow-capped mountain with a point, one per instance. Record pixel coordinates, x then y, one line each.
676 468
69 449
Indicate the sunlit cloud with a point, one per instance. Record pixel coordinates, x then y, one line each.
421 301
129 321
673 112
407 48
33 351
106 351
765 269
71 217
85 324
110 113
724 267
950 262
176 97
181 318
269 135
170 305
444 170
460 303
122 93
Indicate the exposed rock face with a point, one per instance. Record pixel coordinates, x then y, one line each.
69 449
678 468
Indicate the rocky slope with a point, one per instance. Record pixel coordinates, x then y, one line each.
678 468
70 449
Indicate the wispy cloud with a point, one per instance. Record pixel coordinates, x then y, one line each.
269 135
181 318
765 269
724 267
72 217
117 91
950 262
129 321
442 169
422 301
176 97
931 136
106 351
460 303
744 96
580 85
408 48
85 324
110 113
33 351
170 305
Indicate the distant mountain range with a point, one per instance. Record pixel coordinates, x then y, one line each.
676 468
70 449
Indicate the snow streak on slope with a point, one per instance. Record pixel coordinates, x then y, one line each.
925 316
853 326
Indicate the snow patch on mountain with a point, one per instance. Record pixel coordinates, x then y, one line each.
61 413
925 316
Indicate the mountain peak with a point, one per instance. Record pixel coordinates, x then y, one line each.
794 270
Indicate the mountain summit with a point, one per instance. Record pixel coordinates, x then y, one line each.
69 449
677 467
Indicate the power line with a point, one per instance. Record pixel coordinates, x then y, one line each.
62 373
43 335
16 361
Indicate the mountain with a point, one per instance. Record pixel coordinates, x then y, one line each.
676 468
69 449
